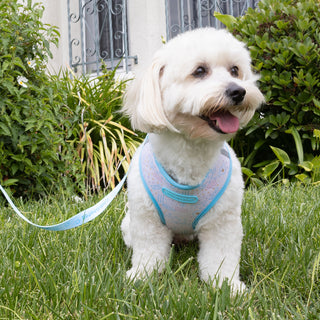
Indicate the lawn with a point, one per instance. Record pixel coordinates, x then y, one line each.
80 273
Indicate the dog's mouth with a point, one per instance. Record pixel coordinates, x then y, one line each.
222 121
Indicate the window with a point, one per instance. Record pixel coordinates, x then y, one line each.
98 32
183 15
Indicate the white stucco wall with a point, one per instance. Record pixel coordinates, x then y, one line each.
146 25
56 14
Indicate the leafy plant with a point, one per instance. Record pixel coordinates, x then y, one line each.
102 137
284 40
34 152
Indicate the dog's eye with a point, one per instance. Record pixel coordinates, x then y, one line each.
200 72
234 71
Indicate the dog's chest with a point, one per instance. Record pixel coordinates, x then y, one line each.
180 207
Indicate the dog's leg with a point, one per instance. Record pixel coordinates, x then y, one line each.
219 254
150 242
125 228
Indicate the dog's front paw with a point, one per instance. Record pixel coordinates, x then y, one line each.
142 271
137 274
238 287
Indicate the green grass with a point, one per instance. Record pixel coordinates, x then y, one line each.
80 273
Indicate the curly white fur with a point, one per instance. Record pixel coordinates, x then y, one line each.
192 80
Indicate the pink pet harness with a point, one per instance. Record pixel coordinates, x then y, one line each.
180 207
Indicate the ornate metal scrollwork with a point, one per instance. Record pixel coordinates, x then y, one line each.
97 33
199 13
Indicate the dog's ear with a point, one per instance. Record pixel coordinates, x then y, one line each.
143 101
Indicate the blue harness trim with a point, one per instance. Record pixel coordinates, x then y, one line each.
179 197
160 192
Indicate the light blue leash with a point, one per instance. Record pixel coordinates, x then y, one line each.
80 218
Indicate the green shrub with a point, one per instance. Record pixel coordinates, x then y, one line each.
34 125
282 140
55 128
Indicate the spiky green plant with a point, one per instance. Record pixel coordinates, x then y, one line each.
101 135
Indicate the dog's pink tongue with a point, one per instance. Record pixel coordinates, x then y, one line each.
227 122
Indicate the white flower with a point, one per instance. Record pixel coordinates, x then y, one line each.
77 199
22 81
31 63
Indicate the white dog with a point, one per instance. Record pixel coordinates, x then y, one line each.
185 180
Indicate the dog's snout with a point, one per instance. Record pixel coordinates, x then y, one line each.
235 92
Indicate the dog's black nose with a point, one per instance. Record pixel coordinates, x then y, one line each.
235 92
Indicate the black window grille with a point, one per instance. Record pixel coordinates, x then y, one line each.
98 33
183 15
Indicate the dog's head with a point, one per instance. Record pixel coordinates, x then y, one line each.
199 84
